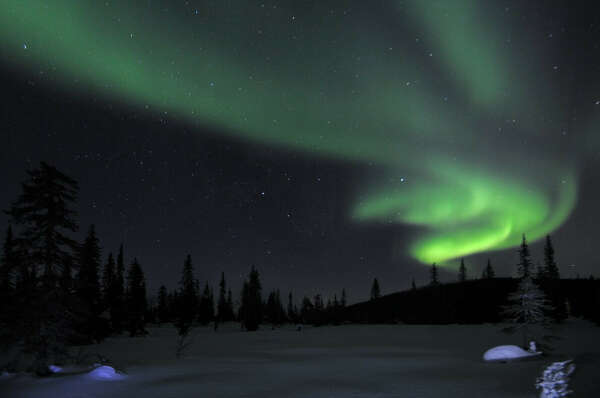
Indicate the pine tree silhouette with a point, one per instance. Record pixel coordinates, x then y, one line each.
290 309
118 313
207 310
488 272
550 269
7 267
230 312
375 291
528 304
306 309
527 308
44 310
163 305
462 271
551 283
251 311
524 266
188 299
66 282
434 281
109 276
136 299
8 299
222 307
88 285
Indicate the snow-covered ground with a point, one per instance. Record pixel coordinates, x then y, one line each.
338 361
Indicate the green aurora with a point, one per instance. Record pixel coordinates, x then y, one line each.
435 96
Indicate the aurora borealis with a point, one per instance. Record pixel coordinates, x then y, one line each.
454 104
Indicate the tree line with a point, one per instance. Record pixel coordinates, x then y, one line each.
50 292
56 291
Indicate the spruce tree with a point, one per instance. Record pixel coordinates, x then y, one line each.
551 283
207 311
550 267
251 311
118 313
8 301
306 310
488 272
230 312
524 265
188 299
318 313
413 285
290 309
527 308
87 284
434 281
43 212
44 216
109 276
343 299
163 305
136 300
271 308
7 267
462 271
222 308
66 282
527 305
375 291
318 303
211 306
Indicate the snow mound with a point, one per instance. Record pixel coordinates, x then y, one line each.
55 369
507 352
105 373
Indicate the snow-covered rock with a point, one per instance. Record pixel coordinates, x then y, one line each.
507 353
55 369
105 373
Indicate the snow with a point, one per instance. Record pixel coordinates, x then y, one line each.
554 382
105 373
349 361
55 369
507 352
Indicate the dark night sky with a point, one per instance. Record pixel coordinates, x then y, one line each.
166 185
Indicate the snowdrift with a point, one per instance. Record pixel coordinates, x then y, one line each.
508 353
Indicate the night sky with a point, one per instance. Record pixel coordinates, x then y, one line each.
327 143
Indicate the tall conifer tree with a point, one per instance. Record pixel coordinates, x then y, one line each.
488 272
118 312
230 312
524 266
163 305
550 267
109 281
462 271
136 299
44 216
375 291
251 308
188 299
222 308
434 281
88 285
8 299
